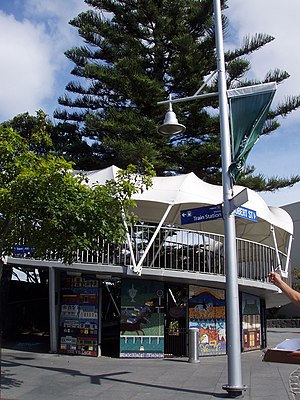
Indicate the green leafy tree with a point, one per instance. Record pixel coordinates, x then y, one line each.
136 53
35 129
48 208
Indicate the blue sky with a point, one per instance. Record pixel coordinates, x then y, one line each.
34 71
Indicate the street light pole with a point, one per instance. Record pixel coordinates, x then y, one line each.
233 340
234 387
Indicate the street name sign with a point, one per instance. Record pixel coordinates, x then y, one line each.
201 214
246 213
210 213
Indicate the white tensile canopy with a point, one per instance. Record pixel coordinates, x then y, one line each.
100 176
169 195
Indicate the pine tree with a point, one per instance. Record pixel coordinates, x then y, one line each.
136 53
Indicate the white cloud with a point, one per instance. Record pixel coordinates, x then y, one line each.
280 21
55 8
56 14
26 68
34 69
277 154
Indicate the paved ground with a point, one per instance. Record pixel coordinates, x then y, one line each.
27 374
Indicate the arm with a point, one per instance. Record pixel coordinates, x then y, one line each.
292 294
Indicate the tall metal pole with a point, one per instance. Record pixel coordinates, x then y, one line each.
234 386
52 308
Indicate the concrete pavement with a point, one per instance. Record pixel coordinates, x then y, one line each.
27 374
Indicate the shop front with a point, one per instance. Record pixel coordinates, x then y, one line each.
142 318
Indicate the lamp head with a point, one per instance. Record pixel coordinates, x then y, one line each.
170 125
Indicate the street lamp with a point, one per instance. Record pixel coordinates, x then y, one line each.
234 387
171 125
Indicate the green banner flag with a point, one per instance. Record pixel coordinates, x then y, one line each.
248 107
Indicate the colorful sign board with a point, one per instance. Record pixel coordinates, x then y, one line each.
79 315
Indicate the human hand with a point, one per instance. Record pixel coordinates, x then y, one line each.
275 278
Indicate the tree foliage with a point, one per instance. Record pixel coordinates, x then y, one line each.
49 208
136 53
46 206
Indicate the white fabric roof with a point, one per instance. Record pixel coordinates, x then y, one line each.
100 176
187 191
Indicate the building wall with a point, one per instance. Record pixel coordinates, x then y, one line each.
294 211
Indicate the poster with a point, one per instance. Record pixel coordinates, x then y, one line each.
142 319
79 315
207 313
251 322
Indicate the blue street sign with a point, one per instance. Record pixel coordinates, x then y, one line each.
201 214
20 249
246 213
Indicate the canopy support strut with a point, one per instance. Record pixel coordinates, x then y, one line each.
286 268
128 238
163 241
279 266
137 268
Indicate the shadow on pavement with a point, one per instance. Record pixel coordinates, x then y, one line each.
28 342
96 379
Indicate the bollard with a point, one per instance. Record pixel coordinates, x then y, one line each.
193 345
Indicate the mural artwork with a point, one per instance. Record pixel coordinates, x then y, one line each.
251 339
142 319
207 313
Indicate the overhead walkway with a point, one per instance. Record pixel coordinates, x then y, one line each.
180 254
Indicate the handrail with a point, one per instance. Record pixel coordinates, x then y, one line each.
187 250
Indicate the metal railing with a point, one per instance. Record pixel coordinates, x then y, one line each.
184 250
